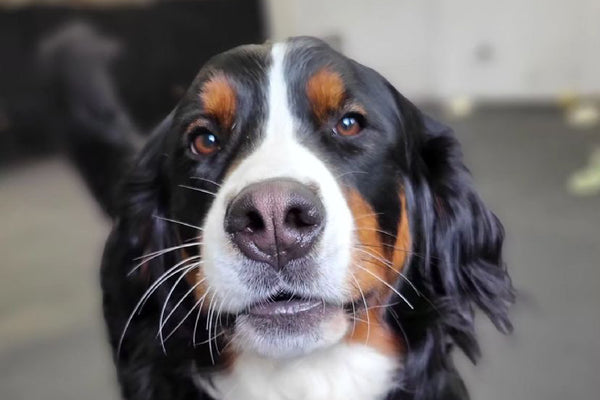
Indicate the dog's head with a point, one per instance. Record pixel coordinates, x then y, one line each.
312 204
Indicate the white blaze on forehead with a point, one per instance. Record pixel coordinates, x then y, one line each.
279 154
280 120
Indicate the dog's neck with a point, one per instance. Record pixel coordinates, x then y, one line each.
346 371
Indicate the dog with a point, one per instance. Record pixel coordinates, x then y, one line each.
294 229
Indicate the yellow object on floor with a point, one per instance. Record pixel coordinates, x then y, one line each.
586 182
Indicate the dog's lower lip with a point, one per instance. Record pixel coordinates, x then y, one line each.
290 307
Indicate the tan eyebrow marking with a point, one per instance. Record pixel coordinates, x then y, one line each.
326 92
219 99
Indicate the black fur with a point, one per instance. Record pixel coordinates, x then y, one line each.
456 266
459 243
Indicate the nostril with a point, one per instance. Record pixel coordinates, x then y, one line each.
255 222
299 218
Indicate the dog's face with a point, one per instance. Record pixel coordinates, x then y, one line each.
316 205
293 151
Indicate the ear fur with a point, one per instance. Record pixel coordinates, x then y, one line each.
139 230
457 265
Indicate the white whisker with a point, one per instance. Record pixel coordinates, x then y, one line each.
163 278
162 320
178 222
185 317
386 284
387 263
198 190
366 307
205 180
198 317
150 256
180 266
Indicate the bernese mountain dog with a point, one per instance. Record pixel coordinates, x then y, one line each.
295 229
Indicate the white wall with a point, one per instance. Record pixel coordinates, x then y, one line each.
511 49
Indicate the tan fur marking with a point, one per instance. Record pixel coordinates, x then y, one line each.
370 269
374 332
402 244
326 92
195 275
219 99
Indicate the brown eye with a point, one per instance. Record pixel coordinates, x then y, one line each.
204 142
349 125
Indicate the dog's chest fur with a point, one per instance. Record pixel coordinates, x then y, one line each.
342 372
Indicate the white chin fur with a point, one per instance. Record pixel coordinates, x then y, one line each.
344 371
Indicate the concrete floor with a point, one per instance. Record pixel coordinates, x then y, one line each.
52 343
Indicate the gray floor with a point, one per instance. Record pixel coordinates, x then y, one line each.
52 342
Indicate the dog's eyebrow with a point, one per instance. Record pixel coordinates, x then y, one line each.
218 98
326 92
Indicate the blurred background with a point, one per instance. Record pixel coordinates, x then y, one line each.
519 80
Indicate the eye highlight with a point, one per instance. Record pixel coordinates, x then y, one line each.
349 125
203 141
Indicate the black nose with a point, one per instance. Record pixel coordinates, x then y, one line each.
275 221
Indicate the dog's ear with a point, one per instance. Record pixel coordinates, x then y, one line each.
457 263
464 249
142 192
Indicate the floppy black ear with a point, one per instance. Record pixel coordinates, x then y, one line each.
457 263
142 194
140 229
465 246
137 231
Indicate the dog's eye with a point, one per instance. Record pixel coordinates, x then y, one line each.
204 142
349 125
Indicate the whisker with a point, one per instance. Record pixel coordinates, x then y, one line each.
185 317
178 222
163 251
180 266
205 180
377 230
367 215
390 266
366 307
406 342
194 287
375 246
162 319
151 256
214 337
208 327
386 284
198 190
407 251
163 278
350 172
353 316
198 317
404 277
217 322
384 305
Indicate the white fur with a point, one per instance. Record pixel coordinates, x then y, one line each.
341 372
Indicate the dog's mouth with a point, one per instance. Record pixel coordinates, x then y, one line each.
285 304
288 304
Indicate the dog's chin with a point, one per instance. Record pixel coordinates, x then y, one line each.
289 329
